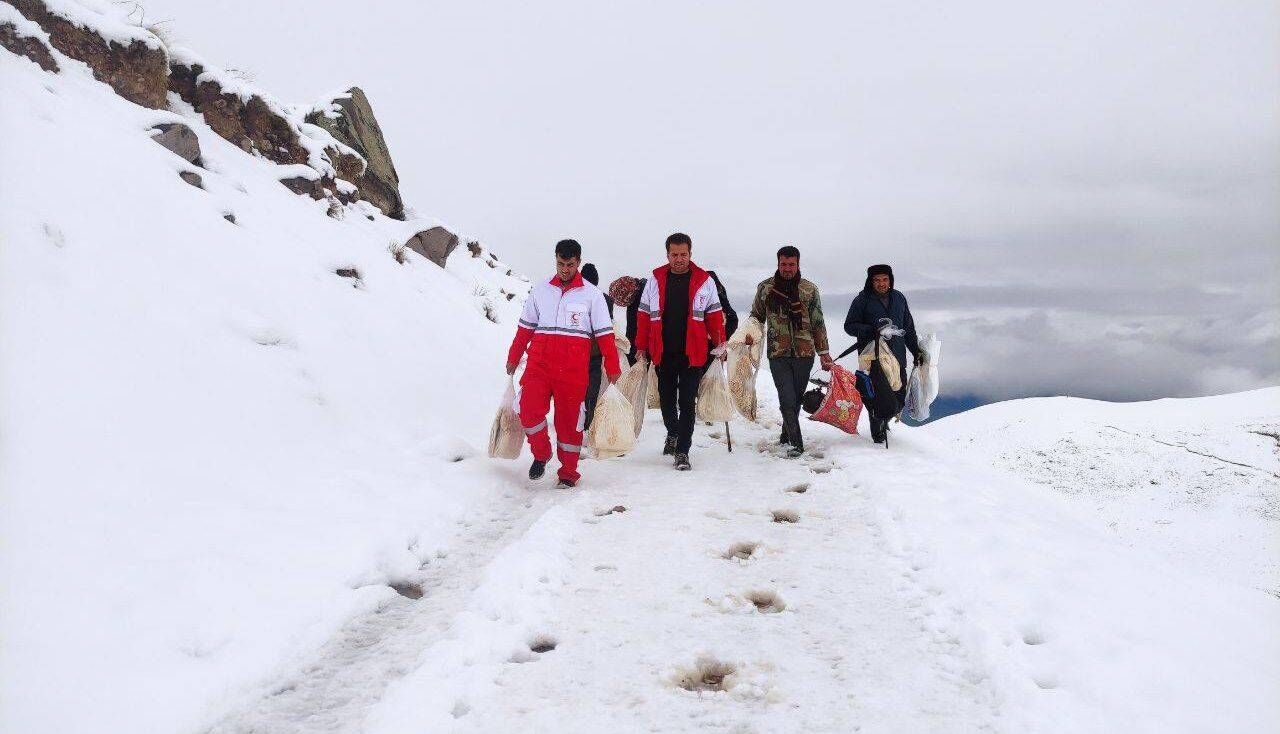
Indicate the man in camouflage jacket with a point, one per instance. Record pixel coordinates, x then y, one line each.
790 308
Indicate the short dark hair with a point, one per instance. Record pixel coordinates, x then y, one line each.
568 249
789 251
679 238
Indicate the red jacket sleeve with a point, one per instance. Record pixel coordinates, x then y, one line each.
520 343
642 331
609 350
715 327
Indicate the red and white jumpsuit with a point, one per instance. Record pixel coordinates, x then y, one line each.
557 326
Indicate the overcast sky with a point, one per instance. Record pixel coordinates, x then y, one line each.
1079 197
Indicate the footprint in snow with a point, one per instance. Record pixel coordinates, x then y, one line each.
800 488
706 674
407 589
765 601
741 552
786 516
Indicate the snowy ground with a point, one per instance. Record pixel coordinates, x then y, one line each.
901 590
1198 479
242 493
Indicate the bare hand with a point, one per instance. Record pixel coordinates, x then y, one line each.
724 355
641 356
511 368
826 361
748 340
613 379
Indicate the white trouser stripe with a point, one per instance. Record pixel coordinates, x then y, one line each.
569 447
535 429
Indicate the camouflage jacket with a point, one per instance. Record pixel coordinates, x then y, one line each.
783 340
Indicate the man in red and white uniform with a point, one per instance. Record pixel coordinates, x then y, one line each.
680 311
561 317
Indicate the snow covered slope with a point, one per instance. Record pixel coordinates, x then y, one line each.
215 447
242 493
1197 479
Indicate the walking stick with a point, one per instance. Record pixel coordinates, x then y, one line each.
728 438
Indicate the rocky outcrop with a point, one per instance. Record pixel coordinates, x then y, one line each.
249 124
138 71
349 118
434 244
180 140
252 123
24 45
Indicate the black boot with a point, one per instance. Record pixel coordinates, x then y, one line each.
784 439
791 432
669 447
682 462
536 469
877 430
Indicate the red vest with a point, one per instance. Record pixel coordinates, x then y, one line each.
705 321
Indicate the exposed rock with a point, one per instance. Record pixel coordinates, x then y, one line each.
138 72
179 139
304 186
434 244
230 217
355 126
252 126
33 48
192 178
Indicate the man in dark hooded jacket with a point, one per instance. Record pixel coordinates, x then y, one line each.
880 307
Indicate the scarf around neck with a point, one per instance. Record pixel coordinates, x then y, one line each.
785 297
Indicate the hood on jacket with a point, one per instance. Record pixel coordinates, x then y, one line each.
875 270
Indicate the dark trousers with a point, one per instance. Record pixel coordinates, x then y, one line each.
593 388
678 391
791 377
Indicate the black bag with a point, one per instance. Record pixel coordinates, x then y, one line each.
812 400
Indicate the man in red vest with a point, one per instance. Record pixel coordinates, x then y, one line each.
561 319
679 312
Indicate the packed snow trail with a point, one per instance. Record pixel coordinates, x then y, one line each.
821 627
332 691
854 589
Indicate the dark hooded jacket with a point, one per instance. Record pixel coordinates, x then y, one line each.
867 310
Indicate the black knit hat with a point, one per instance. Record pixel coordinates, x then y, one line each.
590 275
875 270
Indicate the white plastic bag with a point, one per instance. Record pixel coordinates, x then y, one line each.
917 401
612 431
931 345
714 402
506 435
744 363
633 385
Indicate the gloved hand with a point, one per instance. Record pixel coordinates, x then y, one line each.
919 359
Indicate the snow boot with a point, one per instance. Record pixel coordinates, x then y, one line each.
537 469
784 439
566 484
877 431
682 462
669 448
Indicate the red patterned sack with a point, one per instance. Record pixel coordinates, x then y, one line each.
843 404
